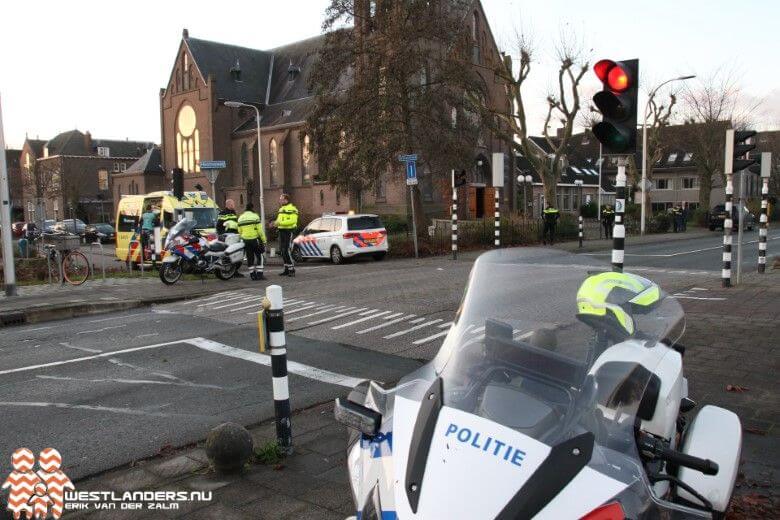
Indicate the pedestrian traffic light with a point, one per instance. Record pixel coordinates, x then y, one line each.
460 178
737 148
617 102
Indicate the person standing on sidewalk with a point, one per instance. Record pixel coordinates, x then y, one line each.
149 219
286 222
608 220
251 231
550 216
227 220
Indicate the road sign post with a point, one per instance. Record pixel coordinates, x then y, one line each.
498 183
619 229
411 181
212 169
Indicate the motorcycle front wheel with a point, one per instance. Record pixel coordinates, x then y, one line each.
170 273
226 272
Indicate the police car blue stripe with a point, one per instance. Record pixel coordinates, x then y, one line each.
307 249
319 251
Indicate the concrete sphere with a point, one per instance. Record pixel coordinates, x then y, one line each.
229 447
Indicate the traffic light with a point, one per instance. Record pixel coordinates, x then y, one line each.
177 182
460 178
736 148
617 102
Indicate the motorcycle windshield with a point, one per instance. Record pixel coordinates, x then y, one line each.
543 376
182 227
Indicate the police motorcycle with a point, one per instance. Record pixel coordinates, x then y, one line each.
558 393
187 251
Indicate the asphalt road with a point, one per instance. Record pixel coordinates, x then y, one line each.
110 389
703 253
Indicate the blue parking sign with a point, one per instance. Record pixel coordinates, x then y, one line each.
411 173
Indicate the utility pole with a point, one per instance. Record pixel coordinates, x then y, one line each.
9 269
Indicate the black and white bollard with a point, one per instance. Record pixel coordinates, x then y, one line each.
278 344
454 218
763 226
619 229
497 241
580 222
727 224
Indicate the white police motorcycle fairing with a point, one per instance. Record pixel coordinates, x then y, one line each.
530 411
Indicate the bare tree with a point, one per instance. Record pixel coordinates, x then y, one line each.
563 106
711 107
659 115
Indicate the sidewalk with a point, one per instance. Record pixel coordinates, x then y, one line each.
589 246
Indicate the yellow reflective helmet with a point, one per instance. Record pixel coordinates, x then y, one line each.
607 301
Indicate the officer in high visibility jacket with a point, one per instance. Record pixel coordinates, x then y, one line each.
286 222
550 217
608 220
251 231
227 220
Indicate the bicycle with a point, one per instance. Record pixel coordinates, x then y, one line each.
72 264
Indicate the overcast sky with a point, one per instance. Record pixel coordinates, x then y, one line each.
98 65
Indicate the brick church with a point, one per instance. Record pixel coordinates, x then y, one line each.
195 127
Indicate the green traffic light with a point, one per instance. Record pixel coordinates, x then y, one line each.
613 139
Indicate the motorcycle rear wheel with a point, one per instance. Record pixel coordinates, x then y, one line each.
170 273
226 272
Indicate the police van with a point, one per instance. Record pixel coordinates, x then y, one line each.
339 237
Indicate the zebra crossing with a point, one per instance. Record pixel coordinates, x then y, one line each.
384 329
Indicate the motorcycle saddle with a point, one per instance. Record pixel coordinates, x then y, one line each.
217 246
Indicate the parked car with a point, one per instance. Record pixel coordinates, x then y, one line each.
340 237
17 228
48 225
718 216
71 225
100 232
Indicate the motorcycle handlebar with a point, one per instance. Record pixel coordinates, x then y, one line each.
659 450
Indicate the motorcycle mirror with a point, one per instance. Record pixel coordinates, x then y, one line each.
358 417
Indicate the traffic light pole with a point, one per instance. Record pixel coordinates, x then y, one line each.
619 229
454 221
766 162
727 224
740 223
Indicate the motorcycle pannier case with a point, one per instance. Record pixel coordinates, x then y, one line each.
714 434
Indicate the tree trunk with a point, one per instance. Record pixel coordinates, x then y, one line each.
705 188
550 198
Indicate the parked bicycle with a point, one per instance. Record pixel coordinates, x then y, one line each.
66 262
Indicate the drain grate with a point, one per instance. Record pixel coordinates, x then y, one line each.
12 318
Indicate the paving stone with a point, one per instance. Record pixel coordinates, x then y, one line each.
329 495
218 512
313 463
242 492
129 480
206 482
339 475
327 441
275 507
199 455
178 466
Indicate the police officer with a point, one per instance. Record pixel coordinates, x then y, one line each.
149 220
286 223
676 218
251 231
227 220
608 220
550 217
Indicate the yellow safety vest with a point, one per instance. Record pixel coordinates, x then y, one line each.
249 226
287 218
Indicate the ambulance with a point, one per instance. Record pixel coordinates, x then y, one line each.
196 205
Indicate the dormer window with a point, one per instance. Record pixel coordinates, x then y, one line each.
235 71
103 151
688 157
672 157
292 72
45 151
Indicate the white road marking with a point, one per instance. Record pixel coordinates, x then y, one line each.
234 297
239 302
132 382
361 320
87 358
148 335
370 311
411 329
394 315
418 320
39 328
386 324
313 305
107 409
431 337
313 267
323 311
111 318
293 367
337 316
445 325
83 349
697 289
101 330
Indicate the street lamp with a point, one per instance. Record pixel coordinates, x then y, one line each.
644 144
525 180
239 104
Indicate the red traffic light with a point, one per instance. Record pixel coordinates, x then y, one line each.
602 68
618 79
613 74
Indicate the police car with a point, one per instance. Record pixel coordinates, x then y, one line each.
339 237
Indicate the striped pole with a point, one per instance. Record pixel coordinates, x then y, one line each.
580 219
454 218
763 226
727 224
619 229
279 368
497 241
